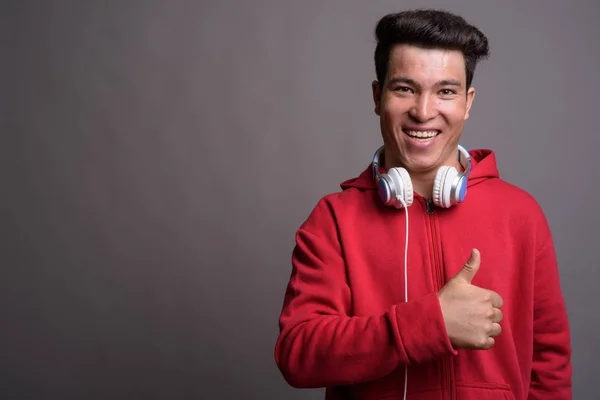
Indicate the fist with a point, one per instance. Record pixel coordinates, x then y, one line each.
472 314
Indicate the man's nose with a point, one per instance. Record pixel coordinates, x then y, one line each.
424 109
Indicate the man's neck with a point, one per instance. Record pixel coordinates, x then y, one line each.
423 183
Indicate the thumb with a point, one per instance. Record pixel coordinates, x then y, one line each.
468 271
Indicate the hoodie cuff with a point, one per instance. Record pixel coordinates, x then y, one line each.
422 330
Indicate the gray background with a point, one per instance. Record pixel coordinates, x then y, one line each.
158 156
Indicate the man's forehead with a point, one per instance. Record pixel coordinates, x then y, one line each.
426 62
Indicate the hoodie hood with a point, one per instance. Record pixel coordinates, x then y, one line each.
483 167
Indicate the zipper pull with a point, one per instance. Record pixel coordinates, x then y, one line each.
430 206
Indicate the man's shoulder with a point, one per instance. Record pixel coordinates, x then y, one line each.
336 205
510 189
509 199
513 191
344 200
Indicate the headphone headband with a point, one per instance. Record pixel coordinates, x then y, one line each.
467 157
375 162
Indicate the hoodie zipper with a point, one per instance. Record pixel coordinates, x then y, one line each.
438 276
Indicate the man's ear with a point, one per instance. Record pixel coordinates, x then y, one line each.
470 98
376 96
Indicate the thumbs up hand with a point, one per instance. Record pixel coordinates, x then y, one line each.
471 314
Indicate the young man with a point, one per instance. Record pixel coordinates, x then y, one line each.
404 285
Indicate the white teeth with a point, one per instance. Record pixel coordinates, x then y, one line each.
422 134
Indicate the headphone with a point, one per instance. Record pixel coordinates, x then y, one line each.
449 187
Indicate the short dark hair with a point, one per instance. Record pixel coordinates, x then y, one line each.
429 29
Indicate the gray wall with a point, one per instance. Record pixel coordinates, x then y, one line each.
158 156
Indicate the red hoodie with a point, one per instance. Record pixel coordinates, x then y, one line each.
345 325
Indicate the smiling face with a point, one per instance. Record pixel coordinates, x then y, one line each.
422 106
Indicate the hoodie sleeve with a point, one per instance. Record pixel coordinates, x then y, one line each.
322 345
551 372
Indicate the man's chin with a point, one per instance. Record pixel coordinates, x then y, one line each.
422 163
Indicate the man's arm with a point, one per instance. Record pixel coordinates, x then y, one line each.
551 373
321 344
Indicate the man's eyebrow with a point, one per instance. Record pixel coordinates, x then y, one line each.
449 82
412 82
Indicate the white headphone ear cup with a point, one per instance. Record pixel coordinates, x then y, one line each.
408 187
437 186
442 186
385 188
448 195
402 186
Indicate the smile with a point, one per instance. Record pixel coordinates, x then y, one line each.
421 134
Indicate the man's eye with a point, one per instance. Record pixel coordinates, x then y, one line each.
404 89
447 92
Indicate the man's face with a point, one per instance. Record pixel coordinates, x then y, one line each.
422 106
